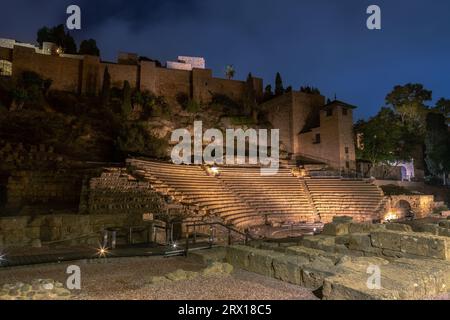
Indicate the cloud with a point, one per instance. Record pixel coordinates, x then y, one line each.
135 14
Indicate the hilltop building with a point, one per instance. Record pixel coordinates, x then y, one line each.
311 129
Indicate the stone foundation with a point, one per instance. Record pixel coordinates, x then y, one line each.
68 229
412 265
47 188
116 192
421 205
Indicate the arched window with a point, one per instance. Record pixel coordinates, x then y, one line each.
5 68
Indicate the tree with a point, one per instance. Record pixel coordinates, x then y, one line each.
30 89
230 72
20 97
134 139
309 90
44 35
250 103
127 107
69 46
89 47
381 136
59 36
443 106
268 93
408 102
279 89
437 145
106 88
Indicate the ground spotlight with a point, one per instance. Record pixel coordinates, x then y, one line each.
102 252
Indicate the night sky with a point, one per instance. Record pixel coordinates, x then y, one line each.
321 43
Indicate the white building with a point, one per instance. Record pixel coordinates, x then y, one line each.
187 63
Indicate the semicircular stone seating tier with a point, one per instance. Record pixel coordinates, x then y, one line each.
241 196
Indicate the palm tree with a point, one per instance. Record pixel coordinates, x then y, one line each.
229 72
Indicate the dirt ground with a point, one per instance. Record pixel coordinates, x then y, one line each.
127 279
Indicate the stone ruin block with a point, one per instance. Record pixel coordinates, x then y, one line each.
386 240
365 227
444 224
342 219
260 262
415 244
312 254
288 268
315 273
402 279
431 228
399 227
319 242
13 230
336 229
238 256
359 242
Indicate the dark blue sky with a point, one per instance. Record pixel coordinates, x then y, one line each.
322 43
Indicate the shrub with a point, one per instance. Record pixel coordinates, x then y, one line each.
134 140
241 121
229 106
183 100
193 106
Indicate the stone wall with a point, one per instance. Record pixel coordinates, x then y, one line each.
114 199
65 72
337 264
117 192
5 54
336 146
85 75
49 188
389 240
301 119
14 156
120 73
421 205
69 229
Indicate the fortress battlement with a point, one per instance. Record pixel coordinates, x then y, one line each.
83 74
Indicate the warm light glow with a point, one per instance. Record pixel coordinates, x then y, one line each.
215 170
174 246
102 252
59 50
391 216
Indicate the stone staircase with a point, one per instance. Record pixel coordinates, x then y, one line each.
281 197
241 196
192 186
357 198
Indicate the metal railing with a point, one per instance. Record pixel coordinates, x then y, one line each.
212 236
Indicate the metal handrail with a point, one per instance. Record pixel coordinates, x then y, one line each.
230 229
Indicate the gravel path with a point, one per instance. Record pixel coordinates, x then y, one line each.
125 279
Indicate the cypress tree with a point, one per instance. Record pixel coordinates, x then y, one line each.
126 102
106 88
279 89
